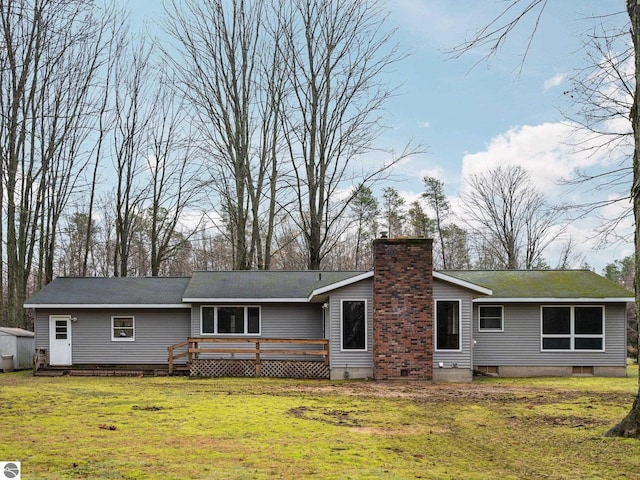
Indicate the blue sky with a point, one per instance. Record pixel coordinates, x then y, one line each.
473 118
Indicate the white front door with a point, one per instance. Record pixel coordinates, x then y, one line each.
59 340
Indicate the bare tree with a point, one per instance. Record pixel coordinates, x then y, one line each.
335 54
510 215
174 168
569 255
52 51
131 117
230 72
600 96
68 119
630 425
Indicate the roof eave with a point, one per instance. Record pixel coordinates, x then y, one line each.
243 300
106 305
554 300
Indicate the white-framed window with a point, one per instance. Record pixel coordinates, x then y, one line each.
572 327
353 325
123 329
230 320
490 318
448 325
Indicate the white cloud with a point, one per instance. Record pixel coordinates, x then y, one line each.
423 124
554 81
436 172
545 150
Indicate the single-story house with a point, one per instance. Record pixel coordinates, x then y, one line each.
400 320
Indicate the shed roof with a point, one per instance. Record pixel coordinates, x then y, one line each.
535 285
264 285
16 332
109 292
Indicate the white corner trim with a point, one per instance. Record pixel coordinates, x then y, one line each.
340 284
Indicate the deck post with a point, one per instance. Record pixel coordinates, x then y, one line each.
257 358
170 349
325 350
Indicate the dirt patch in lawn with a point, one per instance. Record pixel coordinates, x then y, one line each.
343 418
472 392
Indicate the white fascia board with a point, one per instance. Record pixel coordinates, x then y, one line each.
340 284
554 300
462 283
104 305
245 300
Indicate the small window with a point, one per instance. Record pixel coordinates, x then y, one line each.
61 329
490 318
122 329
230 320
448 325
354 325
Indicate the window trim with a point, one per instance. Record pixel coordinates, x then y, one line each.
246 321
435 323
366 325
132 338
572 330
484 329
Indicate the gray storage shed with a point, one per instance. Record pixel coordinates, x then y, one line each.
20 344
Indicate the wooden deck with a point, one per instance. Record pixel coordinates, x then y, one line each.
251 357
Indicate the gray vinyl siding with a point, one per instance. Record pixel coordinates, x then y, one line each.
463 358
519 343
155 330
277 320
362 290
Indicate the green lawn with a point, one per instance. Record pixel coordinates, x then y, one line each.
78 427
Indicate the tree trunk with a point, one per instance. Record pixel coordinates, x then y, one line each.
629 426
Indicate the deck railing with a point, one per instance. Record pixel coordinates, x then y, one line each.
256 348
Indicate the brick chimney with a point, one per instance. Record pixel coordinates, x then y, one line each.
403 308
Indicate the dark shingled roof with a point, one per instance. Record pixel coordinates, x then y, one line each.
111 291
543 283
268 284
